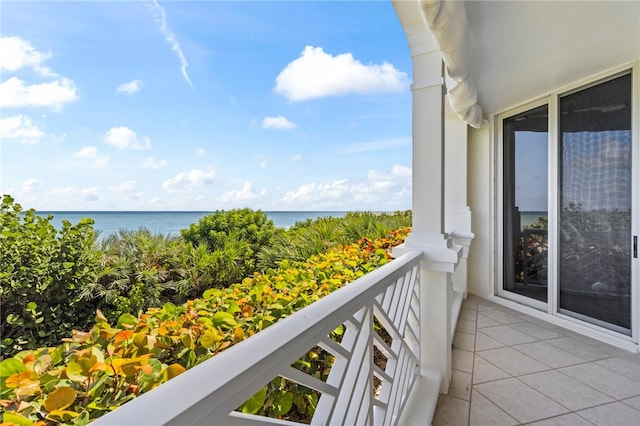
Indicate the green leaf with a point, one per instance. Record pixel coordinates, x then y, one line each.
282 403
9 417
75 372
10 366
254 404
223 319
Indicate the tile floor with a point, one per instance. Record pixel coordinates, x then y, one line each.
512 369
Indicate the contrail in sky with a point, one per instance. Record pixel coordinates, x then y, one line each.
161 17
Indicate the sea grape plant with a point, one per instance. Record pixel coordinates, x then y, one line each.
94 372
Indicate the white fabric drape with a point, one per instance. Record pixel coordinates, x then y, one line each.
447 21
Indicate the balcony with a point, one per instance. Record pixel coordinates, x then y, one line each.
510 368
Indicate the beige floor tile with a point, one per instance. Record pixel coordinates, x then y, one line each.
606 381
549 354
520 401
565 390
484 342
470 303
451 411
484 321
584 350
484 371
615 414
468 314
462 360
464 341
466 326
507 335
633 402
512 361
502 317
460 386
486 306
536 331
622 366
632 357
485 413
564 420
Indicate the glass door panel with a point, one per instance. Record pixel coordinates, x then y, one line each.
595 204
525 201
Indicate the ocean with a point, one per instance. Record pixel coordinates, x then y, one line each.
170 222
529 218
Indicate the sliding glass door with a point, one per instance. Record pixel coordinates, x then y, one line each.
566 204
525 195
595 203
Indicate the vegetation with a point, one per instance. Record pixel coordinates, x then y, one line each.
156 305
42 272
94 372
235 237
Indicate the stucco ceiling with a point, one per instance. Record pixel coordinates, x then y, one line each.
523 50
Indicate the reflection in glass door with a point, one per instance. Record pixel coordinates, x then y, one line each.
525 201
595 204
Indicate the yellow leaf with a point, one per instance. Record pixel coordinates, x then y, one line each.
210 337
174 370
63 416
28 387
60 399
238 334
14 380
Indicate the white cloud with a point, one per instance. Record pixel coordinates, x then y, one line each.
153 164
90 194
316 74
55 94
200 152
87 152
70 193
20 127
90 154
296 157
378 145
244 194
131 87
379 191
188 180
125 138
278 122
18 53
126 186
161 18
31 184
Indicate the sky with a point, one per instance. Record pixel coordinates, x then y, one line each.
204 105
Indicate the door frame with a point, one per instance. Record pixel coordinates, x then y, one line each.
551 99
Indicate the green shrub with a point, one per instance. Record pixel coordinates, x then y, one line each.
310 237
236 236
42 272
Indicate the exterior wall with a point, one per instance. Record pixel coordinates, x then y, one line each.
480 198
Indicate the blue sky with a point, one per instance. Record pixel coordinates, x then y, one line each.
154 105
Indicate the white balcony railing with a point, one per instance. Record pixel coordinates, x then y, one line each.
211 392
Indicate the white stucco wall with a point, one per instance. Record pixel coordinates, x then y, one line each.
480 198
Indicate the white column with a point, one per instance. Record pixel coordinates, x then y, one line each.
457 213
428 236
